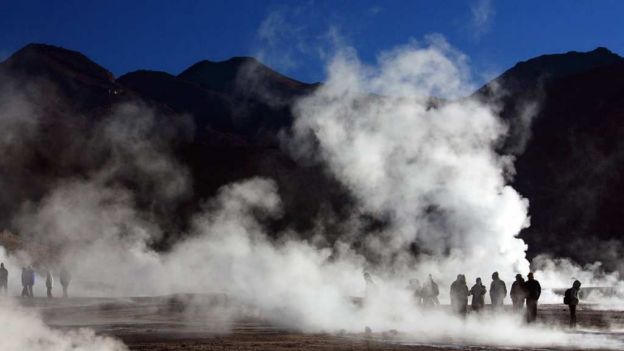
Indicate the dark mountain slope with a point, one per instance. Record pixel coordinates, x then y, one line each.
573 167
220 120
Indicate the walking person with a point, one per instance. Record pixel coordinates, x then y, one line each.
518 293
478 295
571 298
533 290
4 279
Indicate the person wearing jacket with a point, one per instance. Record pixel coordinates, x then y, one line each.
518 293
498 291
573 295
478 295
459 295
533 291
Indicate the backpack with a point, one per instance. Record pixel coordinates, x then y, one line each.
567 296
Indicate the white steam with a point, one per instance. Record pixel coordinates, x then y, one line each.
424 166
431 170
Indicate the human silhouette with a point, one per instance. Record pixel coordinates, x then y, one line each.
4 279
518 293
533 291
459 295
572 299
25 279
49 284
417 291
498 291
430 292
65 280
31 280
478 295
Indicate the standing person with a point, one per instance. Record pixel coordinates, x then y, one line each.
49 283
533 291
25 280
4 279
66 278
31 280
459 295
518 293
498 291
430 293
417 290
478 295
571 299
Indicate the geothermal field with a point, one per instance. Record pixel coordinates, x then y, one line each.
314 175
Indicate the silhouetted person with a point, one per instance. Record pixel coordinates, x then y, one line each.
478 295
430 292
459 295
417 290
66 279
25 279
533 291
49 284
31 280
518 293
571 299
498 291
4 279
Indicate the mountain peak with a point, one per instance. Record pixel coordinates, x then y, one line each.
528 74
238 71
36 58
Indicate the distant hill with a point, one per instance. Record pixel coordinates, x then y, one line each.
565 112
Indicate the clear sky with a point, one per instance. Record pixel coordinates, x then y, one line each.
294 36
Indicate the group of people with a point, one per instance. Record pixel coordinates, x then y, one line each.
521 291
28 281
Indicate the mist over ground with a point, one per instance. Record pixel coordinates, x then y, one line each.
418 158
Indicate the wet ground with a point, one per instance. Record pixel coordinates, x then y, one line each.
197 322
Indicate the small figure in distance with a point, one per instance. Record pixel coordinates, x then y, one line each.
459 295
498 291
31 281
417 290
65 280
518 293
4 279
478 295
430 292
25 280
49 283
571 299
533 290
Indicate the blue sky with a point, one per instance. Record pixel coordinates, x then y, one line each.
295 36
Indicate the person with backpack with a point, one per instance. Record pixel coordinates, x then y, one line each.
533 291
571 299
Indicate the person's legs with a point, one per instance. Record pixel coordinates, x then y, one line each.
65 291
572 316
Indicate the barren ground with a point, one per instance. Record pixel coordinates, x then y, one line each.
194 322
